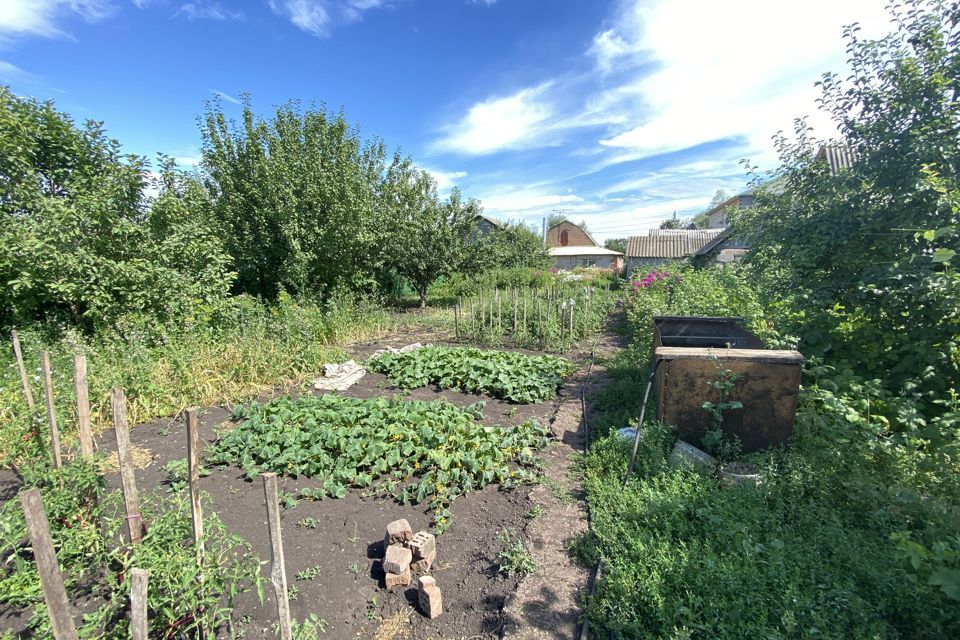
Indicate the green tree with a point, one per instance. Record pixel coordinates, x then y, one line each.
701 220
298 198
513 246
616 244
848 247
79 242
429 238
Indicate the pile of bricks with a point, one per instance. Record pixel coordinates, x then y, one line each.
406 554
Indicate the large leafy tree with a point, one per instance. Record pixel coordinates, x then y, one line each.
510 247
849 246
79 241
429 236
298 199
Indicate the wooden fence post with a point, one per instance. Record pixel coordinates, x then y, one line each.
131 500
456 320
499 316
278 573
572 303
51 410
83 404
54 593
24 380
193 463
139 579
563 317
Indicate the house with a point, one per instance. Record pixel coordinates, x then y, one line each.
667 245
718 215
485 225
571 246
723 249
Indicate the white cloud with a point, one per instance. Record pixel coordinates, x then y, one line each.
446 180
207 11
188 161
741 70
12 73
318 17
223 95
500 123
41 17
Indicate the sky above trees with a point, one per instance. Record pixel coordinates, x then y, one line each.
618 113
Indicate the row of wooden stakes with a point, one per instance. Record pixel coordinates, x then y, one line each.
54 592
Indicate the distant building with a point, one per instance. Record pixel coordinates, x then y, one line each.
667 245
571 246
485 226
717 216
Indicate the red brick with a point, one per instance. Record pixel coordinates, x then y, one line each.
398 579
397 559
431 602
423 565
422 545
398 531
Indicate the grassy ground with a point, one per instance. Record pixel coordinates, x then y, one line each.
848 536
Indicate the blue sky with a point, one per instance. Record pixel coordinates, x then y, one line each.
617 112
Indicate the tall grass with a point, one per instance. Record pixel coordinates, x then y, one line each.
229 352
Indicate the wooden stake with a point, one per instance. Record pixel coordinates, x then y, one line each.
83 404
278 573
24 380
572 303
131 500
54 593
563 317
51 411
456 320
193 464
515 296
524 310
499 316
139 578
480 299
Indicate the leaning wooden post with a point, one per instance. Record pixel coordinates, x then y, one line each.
24 380
278 573
525 310
572 303
480 302
131 500
83 404
51 410
515 302
499 315
139 579
563 317
193 465
54 593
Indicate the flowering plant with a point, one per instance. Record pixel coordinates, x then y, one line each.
652 277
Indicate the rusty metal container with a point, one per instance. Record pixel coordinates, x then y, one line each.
693 351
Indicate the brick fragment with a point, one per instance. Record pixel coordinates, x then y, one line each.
397 559
423 565
422 545
398 579
428 595
398 531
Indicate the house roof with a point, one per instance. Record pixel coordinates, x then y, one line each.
582 250
492 221
838 156
587 233
673 243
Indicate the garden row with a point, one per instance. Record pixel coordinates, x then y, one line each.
551 319
412 451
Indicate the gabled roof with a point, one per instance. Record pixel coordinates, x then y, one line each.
672 243
492 221
587 233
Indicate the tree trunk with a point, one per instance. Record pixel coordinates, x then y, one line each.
423 299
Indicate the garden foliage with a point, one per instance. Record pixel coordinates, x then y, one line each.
99 573
502 374
851 533
416 451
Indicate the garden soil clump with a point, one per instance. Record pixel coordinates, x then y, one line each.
336 545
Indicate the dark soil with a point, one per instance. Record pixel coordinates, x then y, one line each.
346 544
